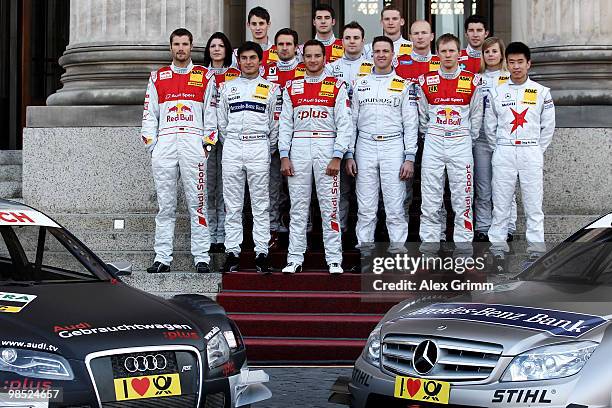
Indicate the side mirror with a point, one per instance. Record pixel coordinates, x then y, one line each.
120 268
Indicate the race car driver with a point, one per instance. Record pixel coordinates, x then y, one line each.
218 59
315 131
384 155
285 69
450 109
476 31
494 74
519 125
258 23
392 22
249 133
179 127
420 60
349 68
324 21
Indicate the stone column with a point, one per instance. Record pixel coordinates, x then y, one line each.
571 43
114 44
280 14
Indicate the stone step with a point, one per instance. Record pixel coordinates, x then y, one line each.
10 189
175 282
10 172
564 225
10 157
140 260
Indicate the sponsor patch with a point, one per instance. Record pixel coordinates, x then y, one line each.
530 96
405 49
327 88
433 80
150 386
337 51
464 82
365 69
397 85
247 106
502 79
434 65
196 77
165 75
262 91
432 88
421 389
554 322
14 302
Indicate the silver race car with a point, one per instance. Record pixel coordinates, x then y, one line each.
541 339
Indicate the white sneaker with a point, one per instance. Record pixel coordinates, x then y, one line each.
292 267
335 268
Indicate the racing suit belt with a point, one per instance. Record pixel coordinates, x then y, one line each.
378 137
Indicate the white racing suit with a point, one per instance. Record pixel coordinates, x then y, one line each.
349 70
483 171
279 72
179 117
385 119
315 126
216 204
450 109
249 134
520 126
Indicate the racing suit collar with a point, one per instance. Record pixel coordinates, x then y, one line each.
292 63
519 85
346 58
472 52
419 57
266 46
218 71
311 79
449 75
179 70
378 75
328 41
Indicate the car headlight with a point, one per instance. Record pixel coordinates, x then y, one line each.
35 364
217 351
372 348
549 362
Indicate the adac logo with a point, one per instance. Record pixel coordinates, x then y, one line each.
179 112
448 116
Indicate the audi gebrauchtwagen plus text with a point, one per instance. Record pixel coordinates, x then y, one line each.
72 334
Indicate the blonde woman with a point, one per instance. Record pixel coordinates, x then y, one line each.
494 73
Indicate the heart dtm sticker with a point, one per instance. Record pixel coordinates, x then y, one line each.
422 389
151 386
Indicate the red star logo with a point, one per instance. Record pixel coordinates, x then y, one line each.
519 119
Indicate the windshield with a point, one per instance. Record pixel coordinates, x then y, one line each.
586 257
39 254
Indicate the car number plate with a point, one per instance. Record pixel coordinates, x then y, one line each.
422 389
150 386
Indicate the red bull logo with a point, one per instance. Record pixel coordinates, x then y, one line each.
448 116
179 112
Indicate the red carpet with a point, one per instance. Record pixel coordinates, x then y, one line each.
307 318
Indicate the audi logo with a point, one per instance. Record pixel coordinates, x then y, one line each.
149 362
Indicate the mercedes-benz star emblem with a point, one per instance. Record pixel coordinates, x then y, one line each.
145 363
425 357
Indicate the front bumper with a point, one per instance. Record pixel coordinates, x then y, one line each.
370 387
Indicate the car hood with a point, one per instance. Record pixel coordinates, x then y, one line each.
532 314
79 318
